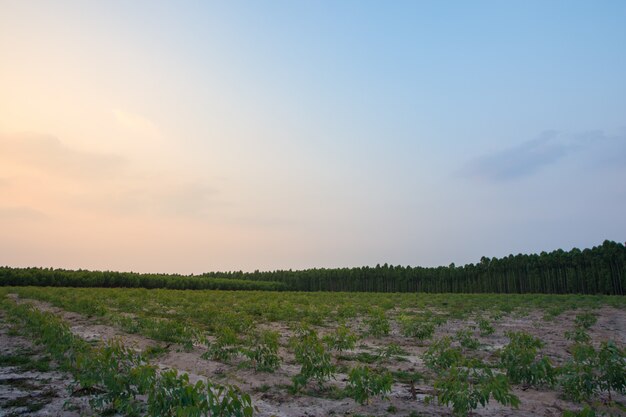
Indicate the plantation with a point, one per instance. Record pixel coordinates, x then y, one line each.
221 353
599 270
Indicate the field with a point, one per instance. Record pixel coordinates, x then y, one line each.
85 351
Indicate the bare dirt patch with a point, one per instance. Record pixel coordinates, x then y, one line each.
29 384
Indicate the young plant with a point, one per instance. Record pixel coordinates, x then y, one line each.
441 356
471 383
173 395
578 375
262 350
390 350
378 324
583 322
520 362
341 339
611 368
485 327
314 360
578 335
228 401
117 374
417 327
466 338
365 383
225 346
586 320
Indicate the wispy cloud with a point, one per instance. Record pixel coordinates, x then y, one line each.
91 182
549 148
157 196
135 122
48 153
518 161
603 150
20 213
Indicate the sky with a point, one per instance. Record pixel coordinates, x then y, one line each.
196 136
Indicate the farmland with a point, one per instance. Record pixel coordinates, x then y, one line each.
206 352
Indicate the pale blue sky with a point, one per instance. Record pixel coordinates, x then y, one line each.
245 135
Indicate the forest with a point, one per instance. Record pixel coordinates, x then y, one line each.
597 270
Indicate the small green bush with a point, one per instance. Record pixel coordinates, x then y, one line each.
611 367
441 356
485 327
225 347
262 350
377 324
578 375
365 383
417 327
469 384
315 362
466 338
519 361
341 339
586 319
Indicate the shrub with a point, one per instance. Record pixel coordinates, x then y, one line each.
589 371
611 366
262 350
577 377
586 320
364 383
466 338
225 346
117 375
578 335
315 361
391 350
469 384
485 327
173 395
417 327
377 324
441 356
583 322
341 339
519 360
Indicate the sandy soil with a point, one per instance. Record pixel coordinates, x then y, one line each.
28 391
269 390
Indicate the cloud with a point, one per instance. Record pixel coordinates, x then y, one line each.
20 213
135 122
159 196
46 172
519 161
49 154
603 151
593 150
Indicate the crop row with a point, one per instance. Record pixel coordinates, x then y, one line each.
461 375
117 376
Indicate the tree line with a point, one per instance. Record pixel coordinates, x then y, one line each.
48 277
599 270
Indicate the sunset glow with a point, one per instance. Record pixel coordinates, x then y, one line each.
190 136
